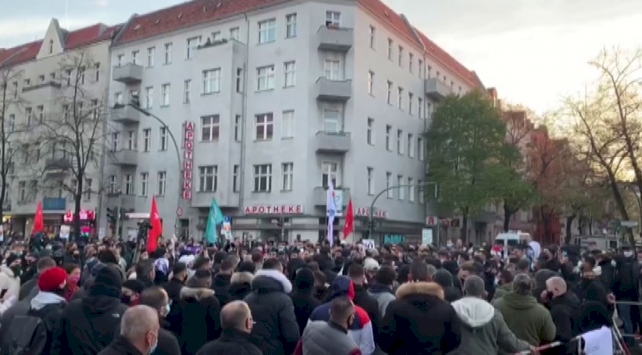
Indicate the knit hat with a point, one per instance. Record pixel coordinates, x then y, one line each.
52 279
134 285
304 279
108 282
11 258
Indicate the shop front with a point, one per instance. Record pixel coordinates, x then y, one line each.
87 223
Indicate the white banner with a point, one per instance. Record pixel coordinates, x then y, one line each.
598 342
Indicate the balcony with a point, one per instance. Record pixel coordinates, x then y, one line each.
127 202
44 89
436 90
333 90
125 157
54 204
332 142
334 38
223 198
57 165
125 114
128 74
319 196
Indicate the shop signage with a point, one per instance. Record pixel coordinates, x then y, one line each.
393 238
188 159
432 221
85 215
274 209
364 212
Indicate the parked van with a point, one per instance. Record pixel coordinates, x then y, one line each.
512 238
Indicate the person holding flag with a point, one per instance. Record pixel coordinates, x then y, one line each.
214 219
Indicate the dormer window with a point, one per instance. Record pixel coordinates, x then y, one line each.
50 46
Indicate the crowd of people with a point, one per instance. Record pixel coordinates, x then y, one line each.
105 298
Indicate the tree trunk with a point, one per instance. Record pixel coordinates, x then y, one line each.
507 216
464 229
77 201
569 222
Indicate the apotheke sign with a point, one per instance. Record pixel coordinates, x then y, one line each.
188 159
274 209
365 212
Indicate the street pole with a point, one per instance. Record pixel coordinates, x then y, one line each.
178 158
371 211
119 204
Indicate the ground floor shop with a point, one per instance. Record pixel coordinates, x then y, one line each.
54 223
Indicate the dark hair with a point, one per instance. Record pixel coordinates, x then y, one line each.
314 266
246 266
272 264
220 256
523 265
153 296
227 266
144 267
434 262
200 262
385 275
69 268
355 271
341 308
107 257
178 268
44 264
257 257
590 261
419 271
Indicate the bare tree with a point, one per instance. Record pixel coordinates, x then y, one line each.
75 136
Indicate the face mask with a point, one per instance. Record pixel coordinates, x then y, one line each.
48 247
496 282
167 309
17 270
549 295
628 254
74 278
125 299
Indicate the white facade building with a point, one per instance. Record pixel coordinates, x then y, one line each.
268 104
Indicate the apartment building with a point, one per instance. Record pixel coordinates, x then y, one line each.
40 77
268 101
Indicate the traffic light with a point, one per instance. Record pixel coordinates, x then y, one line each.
122 214
111 215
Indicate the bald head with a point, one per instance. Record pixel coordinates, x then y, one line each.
137 322
556 285
235 315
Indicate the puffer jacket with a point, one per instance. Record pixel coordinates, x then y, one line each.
526 318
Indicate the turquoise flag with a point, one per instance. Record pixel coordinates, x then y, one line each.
215 218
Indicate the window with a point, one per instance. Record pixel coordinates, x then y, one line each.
129 184
207 178
332 18
144 184
81 73
420 148
371 186
216 36
390 44
388 143
400 98
239 79
401 189
411 190
115 141
192 45
149 97
235 178
400 55
420 68
50 46
420 190
329 171
372 33
96 73
147 139
210 128
41 79
332 69
371 77
290 26
389 92
151 54
12 122
135 57
287 171
118 98
211 81
22 190
263 178
29 114
237 128
119 60
168 54
111 186
411 99
27 83
187 91
264 127
163 138
40 113
287 129
399 141
331 122
267 31
87 195
390 192
161 183
420 104
131 140
411 59
265 78
369 135
411 145
234 33
290 73
165 91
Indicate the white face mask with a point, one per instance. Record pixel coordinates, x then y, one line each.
628 254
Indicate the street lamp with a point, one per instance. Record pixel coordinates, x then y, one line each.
371 212
178 153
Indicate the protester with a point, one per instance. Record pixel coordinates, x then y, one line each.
222 280
200 313
10 272
241 283
138 333
302 296
237 324
156 298
28 287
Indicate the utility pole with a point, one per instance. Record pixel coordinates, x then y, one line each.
120 203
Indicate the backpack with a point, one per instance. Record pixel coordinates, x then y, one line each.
27 335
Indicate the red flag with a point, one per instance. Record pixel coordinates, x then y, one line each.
349 225
38 220
157 228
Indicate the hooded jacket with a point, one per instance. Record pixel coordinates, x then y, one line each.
200 313
361 330
484 331
383 295
9 282
275 331
526 318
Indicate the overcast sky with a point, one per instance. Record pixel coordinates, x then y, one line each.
531 52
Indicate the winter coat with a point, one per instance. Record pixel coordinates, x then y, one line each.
526 318
383 295
9 282
275 331
326 338
200 313
221 287
27 287
502 290
173 289
596 311
484 331
304 303
419 322
370 305
239 290
120 346
167 343
231 342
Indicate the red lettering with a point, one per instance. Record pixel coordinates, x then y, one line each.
299 209
189 135
289 208
189 126
261 209
248 210
255 209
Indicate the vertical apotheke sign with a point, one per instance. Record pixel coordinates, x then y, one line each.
188 159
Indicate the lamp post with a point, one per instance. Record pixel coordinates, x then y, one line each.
178 153
371 211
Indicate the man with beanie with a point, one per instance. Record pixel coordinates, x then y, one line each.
302 297
89 324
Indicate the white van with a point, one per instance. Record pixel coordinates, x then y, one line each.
512 238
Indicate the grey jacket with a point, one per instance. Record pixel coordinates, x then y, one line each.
383 299
484 330
324 338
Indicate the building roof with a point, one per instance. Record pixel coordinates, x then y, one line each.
73 40
198 12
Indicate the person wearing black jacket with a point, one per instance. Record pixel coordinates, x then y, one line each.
89 324
42 265
236 321
565 310
357 274
145 272
625 288
177 281
157 298
138 335
221 281
302 297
